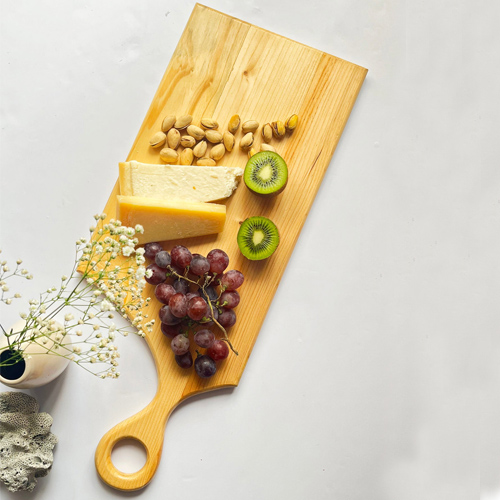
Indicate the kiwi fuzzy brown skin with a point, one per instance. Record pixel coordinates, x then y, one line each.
250 165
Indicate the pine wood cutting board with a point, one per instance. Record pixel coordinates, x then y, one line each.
223 66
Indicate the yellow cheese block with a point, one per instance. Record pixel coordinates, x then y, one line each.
169 220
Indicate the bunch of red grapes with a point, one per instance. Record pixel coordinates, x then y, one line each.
197 294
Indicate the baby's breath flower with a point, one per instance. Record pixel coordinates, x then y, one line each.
110 265
106 305
127 251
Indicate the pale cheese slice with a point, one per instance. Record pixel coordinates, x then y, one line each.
178 182
170 220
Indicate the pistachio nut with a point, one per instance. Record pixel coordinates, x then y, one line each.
169 155
206 162
183 122
267 147
291 123
208 123
187 141
251 152
196 132
278 129
157 140
267 132
173 138
228 140
186 156
167 123
213 136
200 149
249 126
234 124
247 141
217 152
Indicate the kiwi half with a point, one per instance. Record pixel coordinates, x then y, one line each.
258 238
266 173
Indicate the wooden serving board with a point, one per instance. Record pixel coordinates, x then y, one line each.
223 66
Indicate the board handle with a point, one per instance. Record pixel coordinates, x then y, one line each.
148 428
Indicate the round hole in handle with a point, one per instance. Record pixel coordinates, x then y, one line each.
129 455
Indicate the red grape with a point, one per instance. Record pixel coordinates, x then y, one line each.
170 330
181 256
167 317
204 338
230 300
210 291
205 366
184 360
197 308
163 259
218 350
181 286
199 265
227 318
180 344
218 260
178 305
163 292
232 280
158 274
151 249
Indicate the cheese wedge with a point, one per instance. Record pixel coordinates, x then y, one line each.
169 220
178 182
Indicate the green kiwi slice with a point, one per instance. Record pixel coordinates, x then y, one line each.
266 173
258 238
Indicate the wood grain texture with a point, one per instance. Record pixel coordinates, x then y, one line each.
220 67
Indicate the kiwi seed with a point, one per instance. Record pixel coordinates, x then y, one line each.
258 238
266 173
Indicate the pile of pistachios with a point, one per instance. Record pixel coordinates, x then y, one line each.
206 145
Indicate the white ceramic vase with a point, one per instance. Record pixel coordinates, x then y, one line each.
39 367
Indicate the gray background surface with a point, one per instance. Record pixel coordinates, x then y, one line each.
376 373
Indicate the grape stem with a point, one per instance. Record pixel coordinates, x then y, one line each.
226 338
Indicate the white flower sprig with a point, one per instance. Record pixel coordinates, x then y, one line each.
107 277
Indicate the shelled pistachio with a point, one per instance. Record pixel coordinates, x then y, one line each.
234 124
291 123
